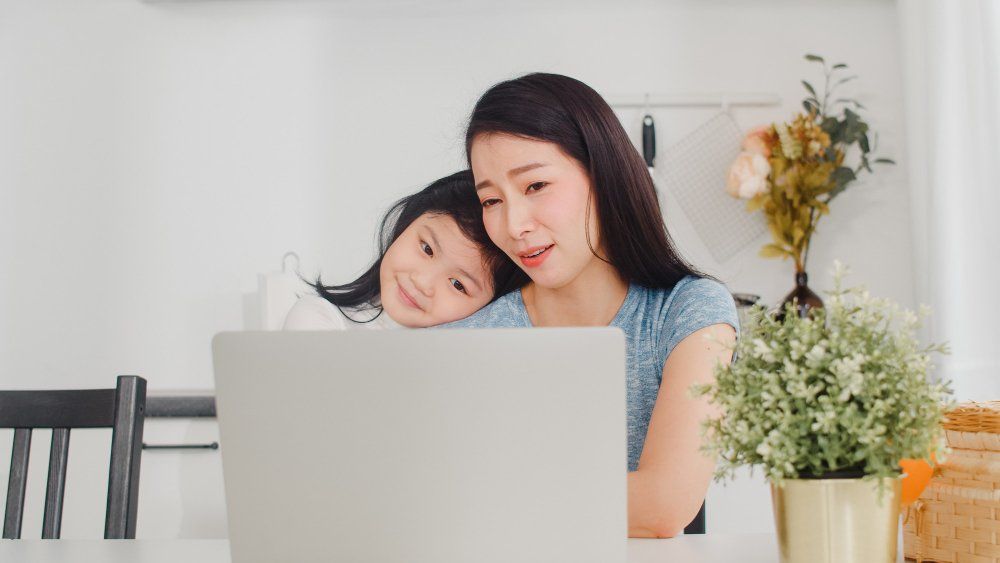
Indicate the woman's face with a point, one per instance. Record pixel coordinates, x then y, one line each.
535 206
433 274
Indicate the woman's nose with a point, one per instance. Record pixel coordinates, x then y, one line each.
519 219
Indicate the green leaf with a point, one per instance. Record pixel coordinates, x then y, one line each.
835 129
830 126
885 161
843 175
842 80
816 58
853 127
839 65
809 106
809 88
863 142
856 103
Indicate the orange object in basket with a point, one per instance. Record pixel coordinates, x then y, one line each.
918 475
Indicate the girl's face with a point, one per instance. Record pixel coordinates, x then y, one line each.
535 207
433 274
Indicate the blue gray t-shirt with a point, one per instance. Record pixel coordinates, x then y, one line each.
653 320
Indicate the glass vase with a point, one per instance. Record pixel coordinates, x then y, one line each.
805 299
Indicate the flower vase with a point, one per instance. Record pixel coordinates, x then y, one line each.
805 298
837 520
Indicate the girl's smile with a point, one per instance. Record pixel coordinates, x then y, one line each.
407 298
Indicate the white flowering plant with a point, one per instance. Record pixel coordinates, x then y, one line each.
842 390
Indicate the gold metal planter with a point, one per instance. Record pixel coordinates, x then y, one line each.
836 520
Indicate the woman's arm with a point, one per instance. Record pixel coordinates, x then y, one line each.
667 490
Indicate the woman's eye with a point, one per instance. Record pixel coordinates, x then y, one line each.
490 202
426 248
458 285
537 186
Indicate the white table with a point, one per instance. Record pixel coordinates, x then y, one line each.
710 548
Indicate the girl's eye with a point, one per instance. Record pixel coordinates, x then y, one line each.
490 202
537 186
426 248
458 285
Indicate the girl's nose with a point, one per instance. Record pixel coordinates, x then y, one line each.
422 281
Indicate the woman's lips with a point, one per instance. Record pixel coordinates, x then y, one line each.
407 299
533 257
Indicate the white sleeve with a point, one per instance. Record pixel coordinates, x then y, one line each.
312 312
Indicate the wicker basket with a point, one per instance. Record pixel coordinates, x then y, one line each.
957 518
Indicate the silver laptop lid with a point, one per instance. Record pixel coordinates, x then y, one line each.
443 446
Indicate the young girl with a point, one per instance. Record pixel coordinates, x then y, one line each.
436 264
568 198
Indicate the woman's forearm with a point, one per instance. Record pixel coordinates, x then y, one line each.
674 472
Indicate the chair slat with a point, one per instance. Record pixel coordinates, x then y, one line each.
85 408
697 526
54 491
17 484
126 452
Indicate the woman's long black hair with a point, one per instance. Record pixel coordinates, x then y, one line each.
567 112
454 196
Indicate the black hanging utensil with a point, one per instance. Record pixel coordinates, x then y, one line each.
648 140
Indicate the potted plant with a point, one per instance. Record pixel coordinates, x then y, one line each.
792 171
827 405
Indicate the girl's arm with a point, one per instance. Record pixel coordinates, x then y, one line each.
312 312
667 490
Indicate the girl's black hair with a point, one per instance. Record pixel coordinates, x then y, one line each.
567 112
454 196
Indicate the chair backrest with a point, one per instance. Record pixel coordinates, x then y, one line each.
697 526
121 409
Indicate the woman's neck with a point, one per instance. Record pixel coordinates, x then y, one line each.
592 299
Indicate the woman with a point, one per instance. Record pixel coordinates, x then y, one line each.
567 197
435 265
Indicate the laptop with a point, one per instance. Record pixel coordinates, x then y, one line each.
424 446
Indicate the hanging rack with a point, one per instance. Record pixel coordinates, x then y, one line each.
284 262
723 100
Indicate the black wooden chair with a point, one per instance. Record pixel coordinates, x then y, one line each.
121 409
697 526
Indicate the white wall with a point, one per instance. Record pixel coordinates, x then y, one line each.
155 156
